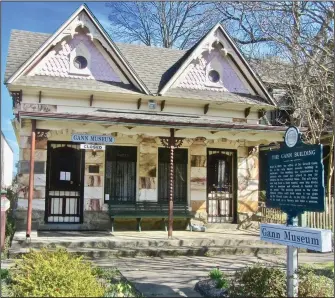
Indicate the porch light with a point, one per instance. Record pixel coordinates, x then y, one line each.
152 104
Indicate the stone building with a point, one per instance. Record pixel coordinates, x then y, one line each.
77 85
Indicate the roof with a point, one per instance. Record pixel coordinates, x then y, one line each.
152 118
155 66
216 96
147 61
75 84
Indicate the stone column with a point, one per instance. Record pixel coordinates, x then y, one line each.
94 182
247 181
198 178
148 169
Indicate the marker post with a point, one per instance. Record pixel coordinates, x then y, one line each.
292 262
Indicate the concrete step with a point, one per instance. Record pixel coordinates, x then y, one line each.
63 227
221 226
73 242
94 253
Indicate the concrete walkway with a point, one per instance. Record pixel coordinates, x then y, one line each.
176 277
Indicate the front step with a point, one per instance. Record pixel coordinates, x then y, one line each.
63 227
111 243
221 226
164 252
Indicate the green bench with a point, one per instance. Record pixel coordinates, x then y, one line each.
145 209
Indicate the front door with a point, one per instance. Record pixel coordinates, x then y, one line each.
120 176
64 183
221 185
180 161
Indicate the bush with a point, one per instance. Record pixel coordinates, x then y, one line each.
312 285
215 274
267 281
258 281
54 274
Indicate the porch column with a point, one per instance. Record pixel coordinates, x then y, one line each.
172 142
31 177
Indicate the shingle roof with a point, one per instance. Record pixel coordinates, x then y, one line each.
216 96
22 45
75 84
155 66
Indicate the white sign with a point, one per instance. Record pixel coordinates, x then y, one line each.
84 138
313 239
92 147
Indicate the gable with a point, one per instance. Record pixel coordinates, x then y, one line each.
60 61
82 19
199 73
216 64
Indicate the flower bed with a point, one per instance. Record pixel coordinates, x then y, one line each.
267 281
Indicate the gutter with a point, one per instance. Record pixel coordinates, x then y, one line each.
144 122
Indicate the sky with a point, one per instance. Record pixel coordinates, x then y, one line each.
44 17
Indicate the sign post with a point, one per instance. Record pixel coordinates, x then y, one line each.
292 266
295 184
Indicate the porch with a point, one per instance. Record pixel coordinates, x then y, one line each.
215 173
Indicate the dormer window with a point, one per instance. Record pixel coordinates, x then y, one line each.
214 76
80 62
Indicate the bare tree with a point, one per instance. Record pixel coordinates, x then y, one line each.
300 36
163 24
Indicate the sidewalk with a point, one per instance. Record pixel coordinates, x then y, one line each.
176 277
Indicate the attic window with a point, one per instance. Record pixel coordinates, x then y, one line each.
80 62
214 76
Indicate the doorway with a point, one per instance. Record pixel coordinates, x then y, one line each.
221 185
64 183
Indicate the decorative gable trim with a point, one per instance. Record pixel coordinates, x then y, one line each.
82 17
228 49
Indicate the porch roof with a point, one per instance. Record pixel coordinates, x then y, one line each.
152 118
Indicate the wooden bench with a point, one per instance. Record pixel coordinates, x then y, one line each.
145 209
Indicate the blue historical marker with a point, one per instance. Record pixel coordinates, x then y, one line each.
295 184
295 179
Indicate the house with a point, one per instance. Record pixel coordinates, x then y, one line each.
7 163
145 109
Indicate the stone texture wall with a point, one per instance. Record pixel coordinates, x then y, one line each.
148 154
247 182
198 180
94 182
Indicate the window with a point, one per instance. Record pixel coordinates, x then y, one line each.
24 167
214 76
93 169
180 175
120 175
80 62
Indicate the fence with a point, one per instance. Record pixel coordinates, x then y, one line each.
322 220
270 215
319 220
